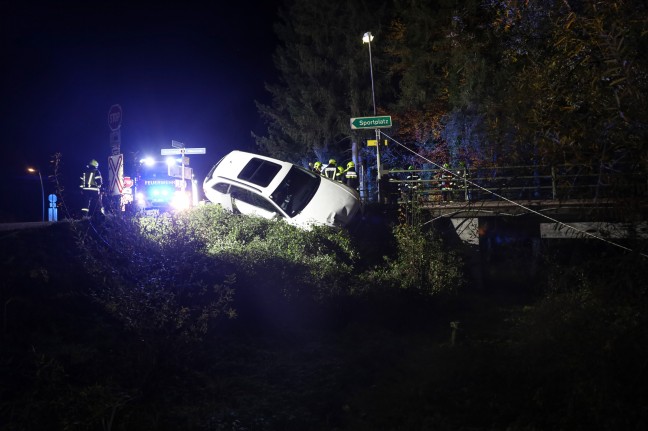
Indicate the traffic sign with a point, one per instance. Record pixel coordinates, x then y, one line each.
116 174
374 142
173 151
371 122
114 118
195 151
177 171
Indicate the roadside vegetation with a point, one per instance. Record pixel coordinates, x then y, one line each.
207 320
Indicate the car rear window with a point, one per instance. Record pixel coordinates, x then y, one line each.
260 172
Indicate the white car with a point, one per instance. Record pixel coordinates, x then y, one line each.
252 184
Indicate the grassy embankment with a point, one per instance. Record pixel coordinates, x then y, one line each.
213 321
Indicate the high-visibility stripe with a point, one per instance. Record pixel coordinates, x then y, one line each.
331 171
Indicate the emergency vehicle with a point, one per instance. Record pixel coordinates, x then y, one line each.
164 185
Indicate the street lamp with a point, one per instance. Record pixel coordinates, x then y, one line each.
367 38
34 171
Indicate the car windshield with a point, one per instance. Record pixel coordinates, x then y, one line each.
296 190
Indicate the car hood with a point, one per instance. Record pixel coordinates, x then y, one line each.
333 204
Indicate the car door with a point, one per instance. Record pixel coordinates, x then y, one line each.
248 202
221 195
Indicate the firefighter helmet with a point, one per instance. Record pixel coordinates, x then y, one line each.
350 164
94 163
331 162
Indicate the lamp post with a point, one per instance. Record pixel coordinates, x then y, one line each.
34 171
367 38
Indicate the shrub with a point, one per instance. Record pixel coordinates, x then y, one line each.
423 263
154 275
275 255
585 340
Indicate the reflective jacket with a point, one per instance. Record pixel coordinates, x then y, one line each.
91 179
351 178
330 171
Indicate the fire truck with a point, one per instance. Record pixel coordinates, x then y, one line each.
164 185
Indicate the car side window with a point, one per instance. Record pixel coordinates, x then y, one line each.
221 188
252 198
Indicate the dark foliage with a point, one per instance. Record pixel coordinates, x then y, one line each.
91 342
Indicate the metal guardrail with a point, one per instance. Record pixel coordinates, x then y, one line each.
538 182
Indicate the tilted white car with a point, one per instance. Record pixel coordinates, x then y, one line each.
252 184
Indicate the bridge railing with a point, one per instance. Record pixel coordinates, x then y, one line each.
539 182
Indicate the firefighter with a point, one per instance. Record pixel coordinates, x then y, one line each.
317 167
411 184
339 176
350 176
330 171
446 183
461 183
91 183
388 189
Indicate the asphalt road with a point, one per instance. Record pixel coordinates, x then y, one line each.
24 225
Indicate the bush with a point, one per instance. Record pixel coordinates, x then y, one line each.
584 340
176 272
423 263
154 275
275 255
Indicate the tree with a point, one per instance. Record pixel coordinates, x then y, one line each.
439 58
489 82
321 65
582 90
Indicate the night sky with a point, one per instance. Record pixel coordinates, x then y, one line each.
183 72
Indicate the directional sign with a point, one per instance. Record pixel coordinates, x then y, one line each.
371 122
195 151
173 151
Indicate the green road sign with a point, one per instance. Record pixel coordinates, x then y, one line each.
371 122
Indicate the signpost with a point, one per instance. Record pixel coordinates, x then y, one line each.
116 158
114 122
382 122
182 171
376 123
